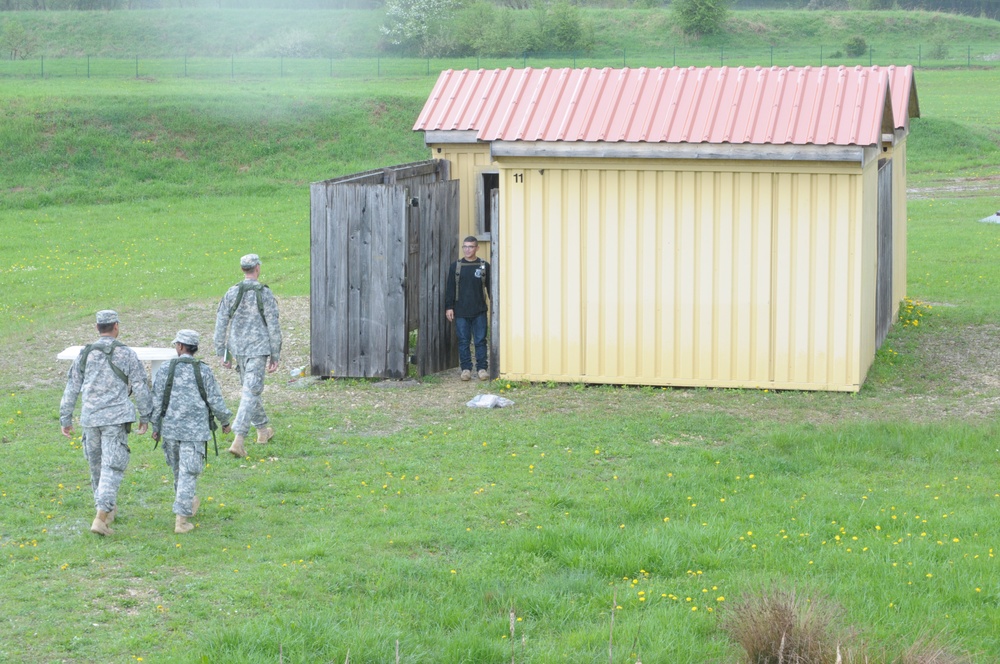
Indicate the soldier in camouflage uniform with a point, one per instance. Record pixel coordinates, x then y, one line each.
182 423
246 327
106 372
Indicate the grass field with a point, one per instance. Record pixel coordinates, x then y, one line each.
385 518
254 43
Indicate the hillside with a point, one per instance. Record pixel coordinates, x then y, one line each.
343 33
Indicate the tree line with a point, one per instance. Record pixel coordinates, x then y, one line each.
979 8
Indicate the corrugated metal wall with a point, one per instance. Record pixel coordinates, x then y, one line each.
684 273
468 160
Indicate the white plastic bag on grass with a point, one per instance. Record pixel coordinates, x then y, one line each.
489 401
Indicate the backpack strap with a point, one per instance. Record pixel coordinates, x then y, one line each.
458 274
168 388
257 287
107 350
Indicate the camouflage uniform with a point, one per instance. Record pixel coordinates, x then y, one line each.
183 428
105 413
252 340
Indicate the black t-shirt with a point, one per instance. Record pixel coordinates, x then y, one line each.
473 286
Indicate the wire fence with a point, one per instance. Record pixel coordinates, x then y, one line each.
936 56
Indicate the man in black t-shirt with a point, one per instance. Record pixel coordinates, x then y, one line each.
465 305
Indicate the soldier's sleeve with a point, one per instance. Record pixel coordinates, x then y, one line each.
74 383
487 277
273 325
140 387
159 384
221 326
214 394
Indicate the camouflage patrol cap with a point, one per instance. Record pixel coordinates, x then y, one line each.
186 337
250 261
106 316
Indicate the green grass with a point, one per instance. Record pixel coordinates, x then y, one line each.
647 34
384 515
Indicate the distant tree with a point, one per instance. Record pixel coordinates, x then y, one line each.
491 30
562 27
417 25
701 17
16 41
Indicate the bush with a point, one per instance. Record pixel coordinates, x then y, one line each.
701 17
563 28
939 51
491 31
856 46
784 626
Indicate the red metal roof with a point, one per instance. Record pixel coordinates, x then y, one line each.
904 96
776 105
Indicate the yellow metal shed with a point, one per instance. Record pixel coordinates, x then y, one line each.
686 227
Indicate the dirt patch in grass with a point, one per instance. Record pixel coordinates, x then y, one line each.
948 373
956 187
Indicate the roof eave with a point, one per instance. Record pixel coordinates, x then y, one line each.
700 151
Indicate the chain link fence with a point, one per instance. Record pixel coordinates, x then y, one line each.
936 56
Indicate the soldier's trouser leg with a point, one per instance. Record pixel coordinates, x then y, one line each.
187 460
108 452
251 410
92 452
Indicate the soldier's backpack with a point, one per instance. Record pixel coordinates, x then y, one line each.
257 288
107 350
168 388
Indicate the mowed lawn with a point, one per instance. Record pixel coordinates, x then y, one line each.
583 524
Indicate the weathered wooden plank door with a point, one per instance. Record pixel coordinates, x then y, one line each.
883 283
437 349
358 305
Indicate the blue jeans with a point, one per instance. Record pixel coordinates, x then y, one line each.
471 330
